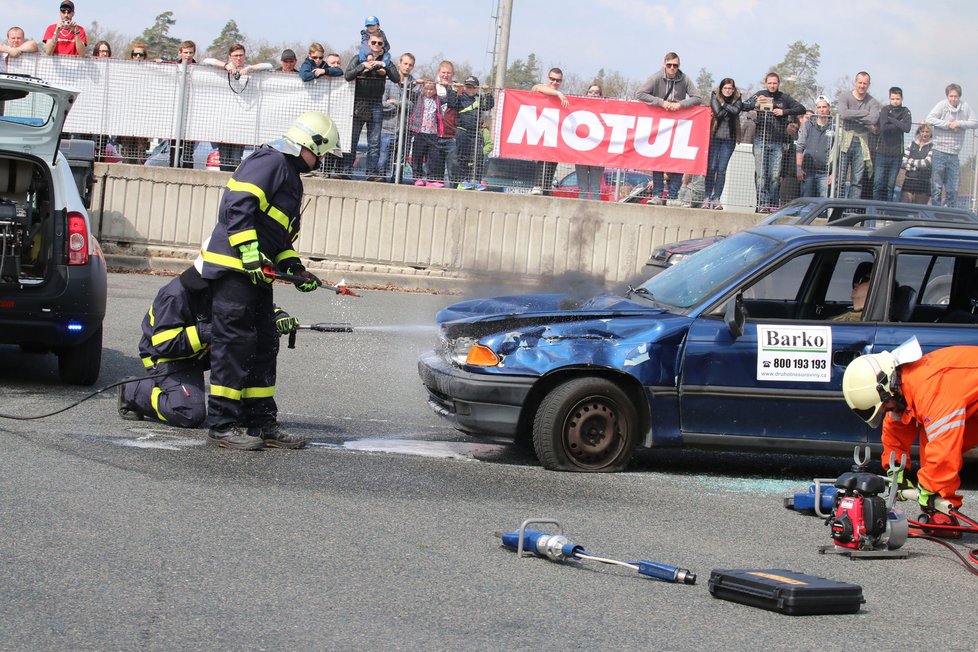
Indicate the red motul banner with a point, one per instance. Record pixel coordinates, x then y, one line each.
609 133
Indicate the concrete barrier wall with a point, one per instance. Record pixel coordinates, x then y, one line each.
381 228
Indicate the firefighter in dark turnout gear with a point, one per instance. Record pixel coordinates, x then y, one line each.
175 342
257 222
175 347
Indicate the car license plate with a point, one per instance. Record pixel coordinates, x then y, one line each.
517 190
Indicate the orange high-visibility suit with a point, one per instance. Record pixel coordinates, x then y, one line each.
941 391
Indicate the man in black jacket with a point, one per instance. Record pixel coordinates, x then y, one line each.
894 122
371 75
774 110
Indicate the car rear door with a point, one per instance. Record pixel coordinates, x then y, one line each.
782 378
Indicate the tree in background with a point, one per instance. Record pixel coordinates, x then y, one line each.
117 40
798 72
613 84
704 82
520 74
230 34
157 37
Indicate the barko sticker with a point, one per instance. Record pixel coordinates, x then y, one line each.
794 353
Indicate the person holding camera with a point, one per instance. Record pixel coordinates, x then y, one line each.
65 36
774 110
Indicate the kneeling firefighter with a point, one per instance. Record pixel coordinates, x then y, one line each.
175 349
934 396
257 222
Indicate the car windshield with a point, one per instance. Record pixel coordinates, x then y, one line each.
33 109
689 281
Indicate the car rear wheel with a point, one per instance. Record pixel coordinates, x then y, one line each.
80 364
585 425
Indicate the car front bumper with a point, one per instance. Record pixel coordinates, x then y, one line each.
475 403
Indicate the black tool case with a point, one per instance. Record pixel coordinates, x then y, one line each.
785 591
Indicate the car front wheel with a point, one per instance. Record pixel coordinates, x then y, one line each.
585 425
80 364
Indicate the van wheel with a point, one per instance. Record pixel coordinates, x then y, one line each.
80 364
585 425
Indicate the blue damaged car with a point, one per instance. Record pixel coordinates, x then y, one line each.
741 346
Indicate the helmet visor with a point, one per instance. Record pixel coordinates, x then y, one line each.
873 416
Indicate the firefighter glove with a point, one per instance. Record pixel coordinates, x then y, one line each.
252 260
904 483
284 323
926 499
309 282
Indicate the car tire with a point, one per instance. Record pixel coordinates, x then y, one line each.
80 365
585 425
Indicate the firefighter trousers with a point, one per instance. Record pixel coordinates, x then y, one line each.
176 399
244 346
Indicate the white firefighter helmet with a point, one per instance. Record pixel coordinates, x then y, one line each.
868 380
867 385
315 131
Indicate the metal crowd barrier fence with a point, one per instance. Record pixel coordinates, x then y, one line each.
198 116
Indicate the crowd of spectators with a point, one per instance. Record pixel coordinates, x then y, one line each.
441 125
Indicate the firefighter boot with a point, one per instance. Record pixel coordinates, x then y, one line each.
275 436
235 438
126 412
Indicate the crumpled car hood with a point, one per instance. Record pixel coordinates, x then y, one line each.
482 316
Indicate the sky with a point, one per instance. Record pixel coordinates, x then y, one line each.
919 46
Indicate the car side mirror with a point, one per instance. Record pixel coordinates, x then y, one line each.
735 316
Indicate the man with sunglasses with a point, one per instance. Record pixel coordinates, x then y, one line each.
668 89
370 74
138 52
933 397
65 36
547 169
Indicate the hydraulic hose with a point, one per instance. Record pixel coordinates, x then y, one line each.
132 379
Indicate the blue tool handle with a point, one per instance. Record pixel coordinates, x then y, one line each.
530 537
665 572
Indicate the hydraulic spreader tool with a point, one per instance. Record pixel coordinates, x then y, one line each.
557 547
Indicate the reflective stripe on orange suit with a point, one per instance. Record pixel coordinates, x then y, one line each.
941 390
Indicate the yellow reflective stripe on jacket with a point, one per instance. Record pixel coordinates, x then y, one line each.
155 400
257 392
221 260
226 392
267 208
152 317
238 239
165 336
194 337
288 253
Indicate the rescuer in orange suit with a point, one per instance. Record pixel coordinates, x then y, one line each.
934 397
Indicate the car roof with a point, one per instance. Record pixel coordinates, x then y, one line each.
930 231
845 202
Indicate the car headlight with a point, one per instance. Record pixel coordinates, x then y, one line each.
675 258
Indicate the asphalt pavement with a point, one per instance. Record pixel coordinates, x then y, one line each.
380 535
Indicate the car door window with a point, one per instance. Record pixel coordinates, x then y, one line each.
932 279
570 181
774 295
